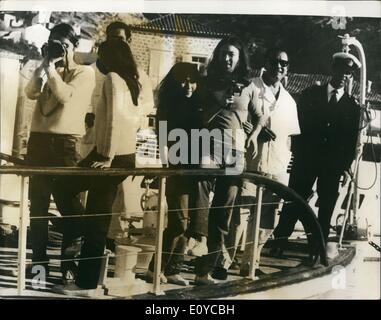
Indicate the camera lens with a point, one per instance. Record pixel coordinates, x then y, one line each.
55 49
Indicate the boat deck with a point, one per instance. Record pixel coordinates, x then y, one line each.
291 268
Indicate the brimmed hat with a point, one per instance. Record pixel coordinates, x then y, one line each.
346 60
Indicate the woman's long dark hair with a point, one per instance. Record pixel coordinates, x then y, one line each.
169 93
116 56
242 73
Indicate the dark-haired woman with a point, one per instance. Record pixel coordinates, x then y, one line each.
63 92
179 105
228 105
115 147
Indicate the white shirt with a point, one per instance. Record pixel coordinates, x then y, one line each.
117 119
330 90
145 100
282 118
63 101
135 117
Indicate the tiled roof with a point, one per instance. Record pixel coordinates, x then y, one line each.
177 24
298 82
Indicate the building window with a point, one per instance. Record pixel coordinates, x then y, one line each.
200 61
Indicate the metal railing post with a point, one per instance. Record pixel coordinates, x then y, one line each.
258 209
159 237
23 218
346 213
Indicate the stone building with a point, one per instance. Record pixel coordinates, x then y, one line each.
160 43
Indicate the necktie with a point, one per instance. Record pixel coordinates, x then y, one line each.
333 99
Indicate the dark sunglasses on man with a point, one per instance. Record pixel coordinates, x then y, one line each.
283 63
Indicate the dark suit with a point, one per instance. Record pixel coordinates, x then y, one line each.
324 149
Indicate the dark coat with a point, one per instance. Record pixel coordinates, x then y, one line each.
328 133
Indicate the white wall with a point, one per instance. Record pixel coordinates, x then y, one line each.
9 84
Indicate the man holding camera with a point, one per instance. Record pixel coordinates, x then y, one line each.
63 92
270 149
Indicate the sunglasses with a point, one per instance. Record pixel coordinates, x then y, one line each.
283 63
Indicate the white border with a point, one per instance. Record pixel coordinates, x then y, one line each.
286 7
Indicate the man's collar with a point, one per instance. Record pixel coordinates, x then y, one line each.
331 88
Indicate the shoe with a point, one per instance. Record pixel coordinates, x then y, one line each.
245 272
191 244
200 248
69 270
150 275
315 261
110 244
74 250
235 265
177 279
220 274
73 290
276 252
204 280
69 276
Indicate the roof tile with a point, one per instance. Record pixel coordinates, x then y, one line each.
177 24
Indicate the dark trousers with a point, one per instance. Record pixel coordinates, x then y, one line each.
49 150
302 179
182 223
225 191
101 196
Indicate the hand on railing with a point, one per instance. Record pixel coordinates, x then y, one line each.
101 164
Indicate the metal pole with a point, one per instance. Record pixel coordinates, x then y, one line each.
346 213
356 195
23 218
258 209
159 238
347 41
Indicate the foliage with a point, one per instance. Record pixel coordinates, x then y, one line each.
93 25
22 48
310 41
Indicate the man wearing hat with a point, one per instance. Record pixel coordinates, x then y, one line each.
325 149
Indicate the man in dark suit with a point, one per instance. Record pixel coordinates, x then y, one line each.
325 149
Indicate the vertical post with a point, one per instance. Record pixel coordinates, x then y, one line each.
347 41
346 213
258 209
159 237
104 266
23 217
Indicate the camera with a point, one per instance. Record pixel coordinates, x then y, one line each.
53 49
237 88
266 135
